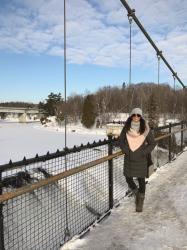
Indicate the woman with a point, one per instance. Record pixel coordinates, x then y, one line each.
137 142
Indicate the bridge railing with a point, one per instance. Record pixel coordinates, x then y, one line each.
46 200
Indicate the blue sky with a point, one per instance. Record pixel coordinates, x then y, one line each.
31 45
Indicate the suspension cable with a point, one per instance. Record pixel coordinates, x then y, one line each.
174 82
175 100
130 47
158 96
130 11
182 108
130 57
67 232
158 74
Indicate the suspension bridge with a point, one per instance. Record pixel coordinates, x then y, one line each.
46 200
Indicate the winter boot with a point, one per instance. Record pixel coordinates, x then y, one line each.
139 201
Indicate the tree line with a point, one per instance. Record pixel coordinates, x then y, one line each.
155 100
18 104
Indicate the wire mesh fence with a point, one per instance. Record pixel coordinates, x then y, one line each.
39 219
47 216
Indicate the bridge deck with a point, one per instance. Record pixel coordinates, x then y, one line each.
162 225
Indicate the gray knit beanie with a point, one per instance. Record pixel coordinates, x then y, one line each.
136 111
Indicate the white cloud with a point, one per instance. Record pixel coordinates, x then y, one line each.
175 49
97 30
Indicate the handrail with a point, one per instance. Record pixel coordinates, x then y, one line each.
31 187
169 134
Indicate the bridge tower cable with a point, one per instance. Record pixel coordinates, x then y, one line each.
67 232
158 78
175 99
158 75
131 12
130 47
130 59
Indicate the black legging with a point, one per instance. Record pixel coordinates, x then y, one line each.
132 184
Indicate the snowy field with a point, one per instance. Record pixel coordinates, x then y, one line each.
161 226
19 139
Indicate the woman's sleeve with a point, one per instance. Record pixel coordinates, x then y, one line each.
151 143
122 141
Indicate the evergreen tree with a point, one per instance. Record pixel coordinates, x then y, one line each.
123 85
89 114
41 106
51 103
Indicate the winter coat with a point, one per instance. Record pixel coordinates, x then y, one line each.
136 162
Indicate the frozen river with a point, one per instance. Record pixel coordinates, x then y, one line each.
19 140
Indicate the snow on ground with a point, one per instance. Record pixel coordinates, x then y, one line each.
161 226
27 139
71 128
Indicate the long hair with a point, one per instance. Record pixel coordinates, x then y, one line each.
142 125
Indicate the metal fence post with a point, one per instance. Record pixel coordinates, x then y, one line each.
169 142
2 247
182 135
110 173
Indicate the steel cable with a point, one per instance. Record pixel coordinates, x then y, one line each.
67 232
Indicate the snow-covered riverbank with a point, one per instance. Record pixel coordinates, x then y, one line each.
19 139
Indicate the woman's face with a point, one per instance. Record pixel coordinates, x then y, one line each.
136 117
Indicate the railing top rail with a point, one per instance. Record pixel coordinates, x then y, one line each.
169 134
167 126
155 129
